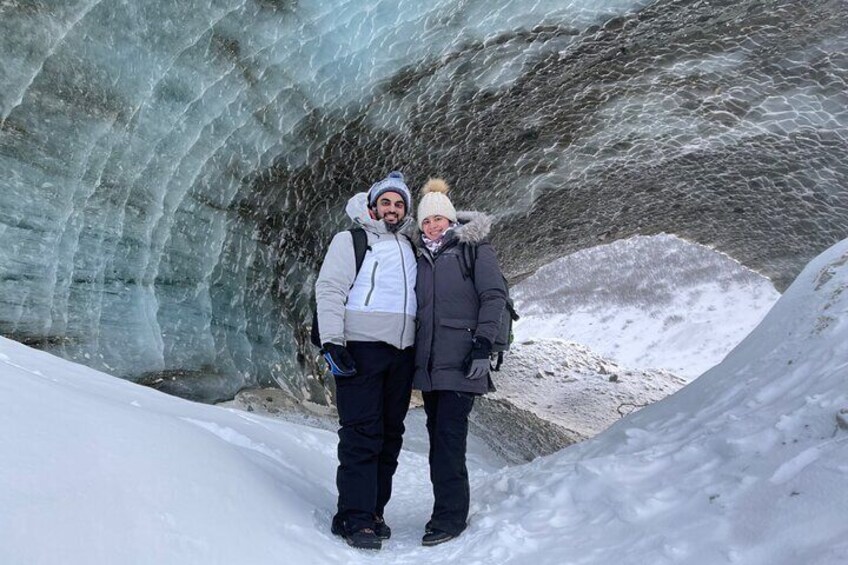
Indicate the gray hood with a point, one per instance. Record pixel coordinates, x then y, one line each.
357 210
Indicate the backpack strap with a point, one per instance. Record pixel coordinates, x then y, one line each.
498 362
468 260
360 246
510 306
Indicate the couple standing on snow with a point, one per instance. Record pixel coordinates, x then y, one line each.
410 314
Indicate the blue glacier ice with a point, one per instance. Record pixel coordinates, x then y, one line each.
171 171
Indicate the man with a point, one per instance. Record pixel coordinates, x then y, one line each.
367 327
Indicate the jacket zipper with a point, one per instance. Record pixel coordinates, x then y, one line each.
405 290
371 290
432 259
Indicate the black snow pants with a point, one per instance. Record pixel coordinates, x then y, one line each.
447 425
372 406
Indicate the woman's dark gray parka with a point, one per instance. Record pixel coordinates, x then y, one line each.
453 308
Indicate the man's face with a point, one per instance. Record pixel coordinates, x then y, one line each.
390 208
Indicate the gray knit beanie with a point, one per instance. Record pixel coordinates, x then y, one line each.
392 183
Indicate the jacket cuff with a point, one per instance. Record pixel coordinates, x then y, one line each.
481 348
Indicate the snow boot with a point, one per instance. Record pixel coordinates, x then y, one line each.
435 537
364 539
337 527
382 529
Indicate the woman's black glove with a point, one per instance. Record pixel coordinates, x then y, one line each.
478 366
339 359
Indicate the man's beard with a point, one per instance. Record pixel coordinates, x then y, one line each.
394 228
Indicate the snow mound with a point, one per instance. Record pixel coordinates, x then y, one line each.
98 470
747 464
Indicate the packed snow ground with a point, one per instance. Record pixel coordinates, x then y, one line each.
568 384
648 302
747 464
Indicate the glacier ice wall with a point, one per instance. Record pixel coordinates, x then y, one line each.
172 170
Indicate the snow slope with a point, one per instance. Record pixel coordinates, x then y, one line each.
747 464
646 302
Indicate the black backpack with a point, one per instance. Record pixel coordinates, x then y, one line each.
360 247
505 336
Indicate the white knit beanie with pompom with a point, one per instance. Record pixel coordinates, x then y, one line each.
435 202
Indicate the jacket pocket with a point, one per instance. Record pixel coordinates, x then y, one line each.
459 324
373 281
453 342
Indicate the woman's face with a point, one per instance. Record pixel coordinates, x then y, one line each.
435 226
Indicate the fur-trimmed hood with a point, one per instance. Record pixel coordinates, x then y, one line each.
471 227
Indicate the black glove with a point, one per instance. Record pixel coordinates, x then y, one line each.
339 359
478 359
481 348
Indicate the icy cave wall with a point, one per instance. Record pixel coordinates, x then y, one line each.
172 170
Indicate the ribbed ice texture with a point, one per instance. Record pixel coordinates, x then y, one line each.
171 171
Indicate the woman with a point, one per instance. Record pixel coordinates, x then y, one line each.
459 312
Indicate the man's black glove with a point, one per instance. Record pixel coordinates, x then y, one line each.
478 367
339 359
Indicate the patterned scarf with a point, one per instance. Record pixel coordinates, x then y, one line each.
433 245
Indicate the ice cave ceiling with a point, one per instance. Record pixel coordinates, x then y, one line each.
172 170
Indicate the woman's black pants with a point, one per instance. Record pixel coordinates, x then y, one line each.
447 425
